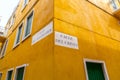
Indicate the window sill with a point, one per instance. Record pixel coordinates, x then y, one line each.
24 38
15 45
1 57
23 8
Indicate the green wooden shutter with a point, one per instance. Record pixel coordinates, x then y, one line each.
9 76
95 71
20 73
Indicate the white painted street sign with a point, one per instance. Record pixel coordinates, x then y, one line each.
66 40
43 33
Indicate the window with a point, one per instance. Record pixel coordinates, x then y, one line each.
20 73
9 75
12 20
95 70
0 76
113 4
28 25
25 3
18 36
4 48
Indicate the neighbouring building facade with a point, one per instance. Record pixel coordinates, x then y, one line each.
62 40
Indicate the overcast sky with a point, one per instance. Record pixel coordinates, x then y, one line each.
6 9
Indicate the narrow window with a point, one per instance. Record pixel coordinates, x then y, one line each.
28 25
19 73
18 35
113 4
9 75
0 76
12 20
4 48
25 3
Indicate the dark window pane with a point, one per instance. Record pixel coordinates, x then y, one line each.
9 76
18 35
20 73
95 71
0 76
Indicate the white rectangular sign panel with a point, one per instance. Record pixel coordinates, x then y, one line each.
48 29
66 40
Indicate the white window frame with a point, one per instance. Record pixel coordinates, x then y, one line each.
25 26
2 54
15 45
24 5
24 65
96 61
12 69
113 2
12 20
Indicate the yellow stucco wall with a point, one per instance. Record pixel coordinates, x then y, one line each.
98 36
97 33
35 56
